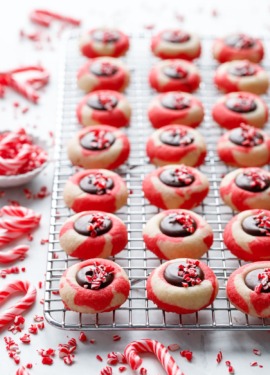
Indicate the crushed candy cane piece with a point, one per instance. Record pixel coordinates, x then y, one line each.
219 357
173 347
116 338
25 339
82 337
187 354
256 351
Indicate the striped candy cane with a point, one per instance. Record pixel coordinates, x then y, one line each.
21 306
151 346
45 17
17 252
10 229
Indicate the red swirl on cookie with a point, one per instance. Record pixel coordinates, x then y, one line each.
248 289
95 189
104 107
173 144
92 234
176 44
241 75
168 289
173 75
94 286
99 147
104 42
246 188
175 186
236 108
103 73
238 47
247 235
177 233
175 108
244 147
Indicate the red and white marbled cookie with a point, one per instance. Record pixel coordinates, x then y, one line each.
176 44
175 108
236 108
176 144
94 286
244 147
175 186
174 75
99 147
104 42
182 286
93 234
175 234
248 289
238 47
241 75
95 189
246 188
103 73
247 235
104 107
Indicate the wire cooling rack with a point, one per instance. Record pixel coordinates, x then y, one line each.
138 312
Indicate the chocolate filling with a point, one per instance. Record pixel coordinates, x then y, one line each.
102 102
103 69
176 137
175 101
258 226
94 277
93 225
105 36
248 137
242 69
177 177
241 104
175 71
96 184
175 36
97 140
258 280
252 181
182 274
178 225
239 41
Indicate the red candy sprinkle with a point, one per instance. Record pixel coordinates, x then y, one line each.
116 338
98 357
185 220
143 371
122 369
99 139
219 357
257 179
47 361
186 354
29 365
82 337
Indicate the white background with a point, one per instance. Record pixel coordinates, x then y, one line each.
247 16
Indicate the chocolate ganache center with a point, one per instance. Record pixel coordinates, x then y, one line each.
258 225
259 280
97 140
246 136
176 137
241 104
242 69
175 71
177 177
93 225
102 102
96 184
240 41
184 274
175 101
178 225
175 36
253 181
103 69
94 277
105 36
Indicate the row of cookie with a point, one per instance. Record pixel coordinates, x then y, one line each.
172 43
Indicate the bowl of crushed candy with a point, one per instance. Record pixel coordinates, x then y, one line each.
23 156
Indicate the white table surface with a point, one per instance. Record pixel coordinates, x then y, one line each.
247 16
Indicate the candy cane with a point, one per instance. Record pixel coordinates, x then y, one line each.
45 17
22 305
17 252
152 346
11 229
22 371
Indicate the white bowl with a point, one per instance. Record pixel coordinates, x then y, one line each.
21 179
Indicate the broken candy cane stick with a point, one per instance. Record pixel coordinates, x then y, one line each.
151 346
17 252
45 18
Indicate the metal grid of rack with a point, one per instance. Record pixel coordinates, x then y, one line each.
138 262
